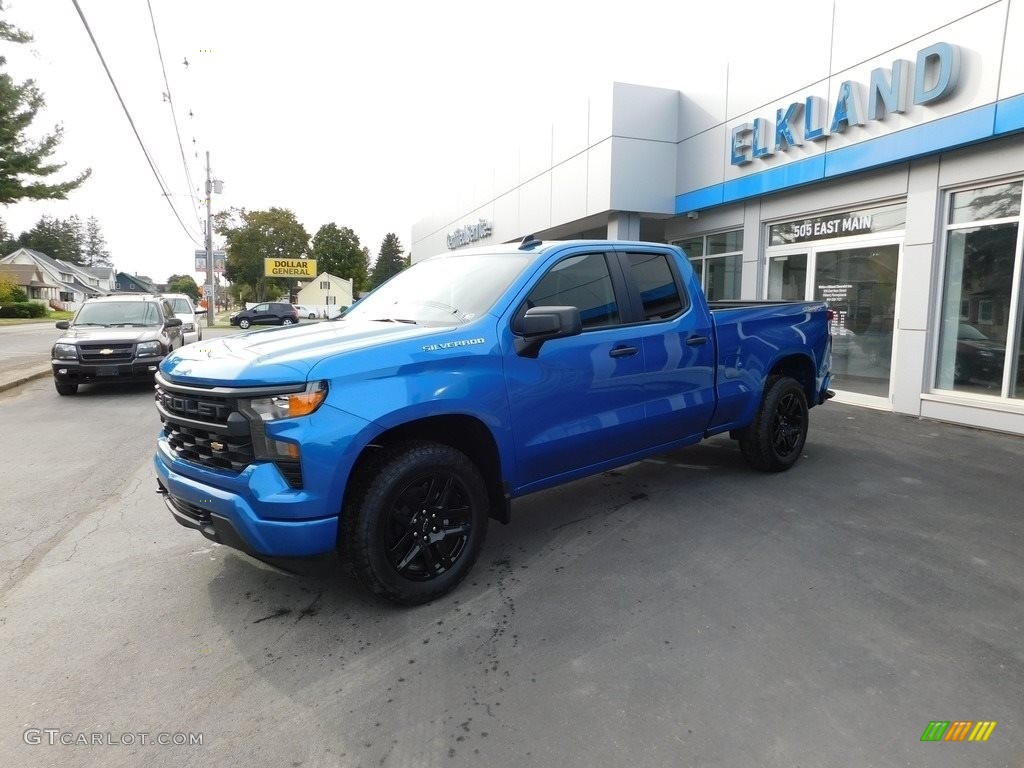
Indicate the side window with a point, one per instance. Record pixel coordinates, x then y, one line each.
260 308
659 294
582 282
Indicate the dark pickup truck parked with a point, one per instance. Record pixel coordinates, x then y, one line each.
466 381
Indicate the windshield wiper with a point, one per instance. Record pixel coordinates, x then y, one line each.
392 320
128 325
98 325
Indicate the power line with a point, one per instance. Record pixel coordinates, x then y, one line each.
152 166
170 104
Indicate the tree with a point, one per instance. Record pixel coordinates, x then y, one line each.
24 163
389 261
94 245
337 251
183 284
10 291
253 236
7 243
57 238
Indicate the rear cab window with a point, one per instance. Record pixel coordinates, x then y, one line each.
661 297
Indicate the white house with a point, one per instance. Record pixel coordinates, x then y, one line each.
326 294
76 283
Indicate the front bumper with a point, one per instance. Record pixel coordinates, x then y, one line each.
243 517
74 372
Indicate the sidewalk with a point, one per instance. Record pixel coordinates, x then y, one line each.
17 371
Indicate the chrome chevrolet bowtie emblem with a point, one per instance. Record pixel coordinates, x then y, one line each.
107 351
216 446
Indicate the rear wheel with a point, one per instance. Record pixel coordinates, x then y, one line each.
65 389
414 521
286 321
775 439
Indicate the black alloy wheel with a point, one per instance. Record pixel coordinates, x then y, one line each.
775 439
414 520
429 526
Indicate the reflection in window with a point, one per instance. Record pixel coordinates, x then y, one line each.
582 282
787 277
718 261
996 202
978 278
658 291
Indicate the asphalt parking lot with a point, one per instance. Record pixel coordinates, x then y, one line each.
682 611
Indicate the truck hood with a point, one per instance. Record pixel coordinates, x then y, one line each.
280 355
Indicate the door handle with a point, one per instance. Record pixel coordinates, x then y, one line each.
696 341
622 352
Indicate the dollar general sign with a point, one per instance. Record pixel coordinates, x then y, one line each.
289 267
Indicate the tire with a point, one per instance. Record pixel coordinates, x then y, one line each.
775 439
243 324
286 321
393 500
312 316
65 389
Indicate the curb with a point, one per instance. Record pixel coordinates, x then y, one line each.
23 378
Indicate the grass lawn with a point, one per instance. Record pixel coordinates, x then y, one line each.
53 317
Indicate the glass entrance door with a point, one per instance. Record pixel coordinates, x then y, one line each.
859 286
858 283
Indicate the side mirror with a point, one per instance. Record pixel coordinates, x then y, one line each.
541 324
200 310
173 322
63 324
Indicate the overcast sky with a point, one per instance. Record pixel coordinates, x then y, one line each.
348 112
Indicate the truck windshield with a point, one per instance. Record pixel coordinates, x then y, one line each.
444 290
119 313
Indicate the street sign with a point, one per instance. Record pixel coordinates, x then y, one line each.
219 258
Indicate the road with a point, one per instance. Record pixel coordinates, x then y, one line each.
683 611
25 346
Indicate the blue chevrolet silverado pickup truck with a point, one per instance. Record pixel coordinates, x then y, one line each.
394 433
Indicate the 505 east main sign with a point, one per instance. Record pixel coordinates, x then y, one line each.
935 76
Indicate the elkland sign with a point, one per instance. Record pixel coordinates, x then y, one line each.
936 72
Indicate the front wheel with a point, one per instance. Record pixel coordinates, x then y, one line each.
243 324
774 440
414 521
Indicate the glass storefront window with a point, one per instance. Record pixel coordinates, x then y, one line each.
977 293
999 201
787 277
718 261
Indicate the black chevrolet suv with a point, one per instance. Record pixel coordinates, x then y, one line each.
122 337
267 313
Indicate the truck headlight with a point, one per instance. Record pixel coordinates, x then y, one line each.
187 327
149 348
290 406
65 352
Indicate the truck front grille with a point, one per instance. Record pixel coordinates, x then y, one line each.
210 449
106 353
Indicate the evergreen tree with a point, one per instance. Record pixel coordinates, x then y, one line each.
23 163
94 246
389 261
57 238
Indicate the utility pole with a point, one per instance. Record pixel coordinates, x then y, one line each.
211 300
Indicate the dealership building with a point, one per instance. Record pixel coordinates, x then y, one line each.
883 173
